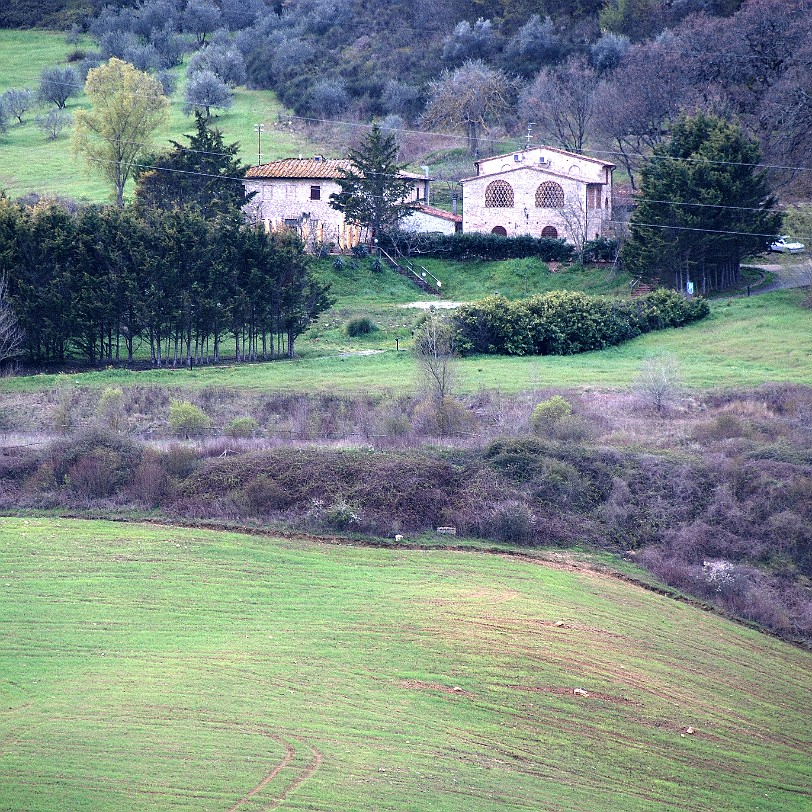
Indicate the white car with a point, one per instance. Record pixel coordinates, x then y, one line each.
784 246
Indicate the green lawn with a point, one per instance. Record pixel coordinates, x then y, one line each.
30 162
744 342
169 669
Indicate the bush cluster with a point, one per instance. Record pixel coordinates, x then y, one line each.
486 247
565 322
360 326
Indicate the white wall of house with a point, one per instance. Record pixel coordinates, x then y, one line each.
304 203
424 222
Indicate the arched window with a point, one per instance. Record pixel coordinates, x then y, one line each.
500 231
550 195
549 231
499 195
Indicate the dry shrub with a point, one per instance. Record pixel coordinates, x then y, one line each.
749 409
90 476
16 464
787 398
410 489
42 479
95 463
723 427
511 521
469 512
180 460
448 418
263 496
393 424
150 483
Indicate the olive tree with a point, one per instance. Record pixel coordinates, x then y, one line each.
472 98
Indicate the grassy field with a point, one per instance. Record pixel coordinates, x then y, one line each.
744 342
190 670
30 162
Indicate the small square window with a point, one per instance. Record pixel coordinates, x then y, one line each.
315 192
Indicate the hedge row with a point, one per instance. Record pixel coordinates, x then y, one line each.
565 322
480 246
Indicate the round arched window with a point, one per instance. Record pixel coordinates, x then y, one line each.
550 195
549 231
499 195
500 231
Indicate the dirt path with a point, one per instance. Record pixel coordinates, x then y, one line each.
301 778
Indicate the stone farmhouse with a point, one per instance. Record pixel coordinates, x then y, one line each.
295 193
543 192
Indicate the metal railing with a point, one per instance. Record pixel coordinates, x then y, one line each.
424 277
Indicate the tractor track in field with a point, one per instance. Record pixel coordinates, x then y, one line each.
303 775
290 752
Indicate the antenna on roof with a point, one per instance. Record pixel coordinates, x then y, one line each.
529 127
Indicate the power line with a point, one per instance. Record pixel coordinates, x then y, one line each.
483 138
613 222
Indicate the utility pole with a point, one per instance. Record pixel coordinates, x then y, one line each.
260 128
529 127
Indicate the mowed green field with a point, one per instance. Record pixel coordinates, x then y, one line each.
745 342
158 668
29 162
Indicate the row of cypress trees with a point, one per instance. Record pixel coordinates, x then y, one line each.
103 284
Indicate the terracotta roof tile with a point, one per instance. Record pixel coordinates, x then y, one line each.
308 168
299 168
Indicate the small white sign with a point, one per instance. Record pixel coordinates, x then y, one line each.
689 287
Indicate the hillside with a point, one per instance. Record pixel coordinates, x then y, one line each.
30 162
192 670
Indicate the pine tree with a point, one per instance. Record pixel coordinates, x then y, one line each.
205 175
372 192
703 206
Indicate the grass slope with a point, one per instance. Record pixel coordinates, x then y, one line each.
30 162
184 670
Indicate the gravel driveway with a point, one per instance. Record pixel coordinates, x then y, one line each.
796 274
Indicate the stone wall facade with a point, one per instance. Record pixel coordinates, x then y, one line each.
540 192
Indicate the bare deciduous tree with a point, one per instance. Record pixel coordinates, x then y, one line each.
561 101
471 98
636 110
11 336
659 380
435 354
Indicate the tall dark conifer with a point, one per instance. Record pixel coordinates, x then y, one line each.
205 175
372 193
703 206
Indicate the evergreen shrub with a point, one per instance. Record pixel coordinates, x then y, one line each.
549 412
567 322
242 427
187 420
360 326
488 247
